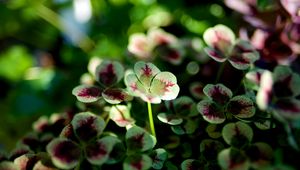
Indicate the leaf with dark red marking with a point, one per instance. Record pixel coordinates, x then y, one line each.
260 155
210 148
109 73
164 85
139 45
243 55
115 95
241 107
68 132
237 134
87 93
98 152
233 159
7 165
138 139
191 164
159 156
215 54
145 72
65 154
120 114
218 93
137 162
219 37
170 119
170 53
87 126
196 90
211 112
134 86
288 108
285 78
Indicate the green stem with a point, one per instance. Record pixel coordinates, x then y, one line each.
151 119
220 71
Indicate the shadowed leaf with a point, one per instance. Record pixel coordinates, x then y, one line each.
137 162
288 108
137 139
170 119
87 125
241 106
211 112
159 156
64 153
210 148
233 159
237 134
215 54
260 155
87 93
185 106
218 93
191 164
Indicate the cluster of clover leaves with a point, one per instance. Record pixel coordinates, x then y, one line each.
215 133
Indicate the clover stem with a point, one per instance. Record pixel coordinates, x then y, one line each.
151 119
220 71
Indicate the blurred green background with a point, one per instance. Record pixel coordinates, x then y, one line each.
45 46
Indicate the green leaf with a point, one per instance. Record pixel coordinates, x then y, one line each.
191 164
260 155
159 156
170 119
138 139
210 148
7 165
233 159
137 162
241 107
237 134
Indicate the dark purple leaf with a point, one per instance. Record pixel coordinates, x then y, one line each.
241 107
288 108
218 93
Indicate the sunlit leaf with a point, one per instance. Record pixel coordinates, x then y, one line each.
134 86
145 72
64 153
87 125
115 95
237 134
87 93
120 114
264 94
159 156
108 73
218 93
138 139
164 85
25 161
211 112
139 45
158 36
137 162
233 159
241 106
219 37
